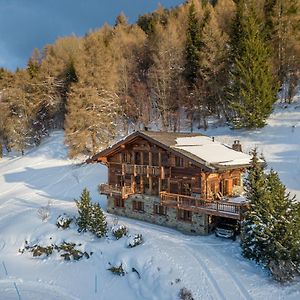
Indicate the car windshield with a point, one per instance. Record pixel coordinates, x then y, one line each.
226 226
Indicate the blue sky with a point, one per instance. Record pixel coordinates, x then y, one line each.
29 24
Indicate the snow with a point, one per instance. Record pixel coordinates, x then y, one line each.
212 151
167 260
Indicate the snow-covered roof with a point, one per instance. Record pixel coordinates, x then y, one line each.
201 149
212 151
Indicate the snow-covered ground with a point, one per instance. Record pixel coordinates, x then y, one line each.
210 267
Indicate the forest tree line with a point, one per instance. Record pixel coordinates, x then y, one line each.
172 69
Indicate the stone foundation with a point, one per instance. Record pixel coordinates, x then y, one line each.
198 225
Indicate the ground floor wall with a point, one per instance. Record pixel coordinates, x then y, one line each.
198 224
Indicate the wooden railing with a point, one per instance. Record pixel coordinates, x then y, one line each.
123 191
143 170
216 208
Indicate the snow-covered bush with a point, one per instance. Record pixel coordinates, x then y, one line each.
37 250
185 294
63 221
135 240
44 213
69 251
66 250
117 270
119 231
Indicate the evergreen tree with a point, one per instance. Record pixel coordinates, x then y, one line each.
193 45
84 207
91 217
282 19
253 229
252 87
270 230
282 253
97 221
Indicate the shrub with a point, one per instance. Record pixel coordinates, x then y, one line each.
117 270
68 250
135 240
44 213
63 221
119 232
185 294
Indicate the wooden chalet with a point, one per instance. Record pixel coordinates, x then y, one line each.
181 180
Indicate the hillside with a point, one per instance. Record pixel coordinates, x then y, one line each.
210 267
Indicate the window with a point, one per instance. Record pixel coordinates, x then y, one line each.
138 205
119 202
154 158
137 158
164 159
236 181
159 209
126 157
178 161
184 215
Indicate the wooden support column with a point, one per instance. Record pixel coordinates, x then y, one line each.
142 157
159 158
150 158
150 185
159 185
142 184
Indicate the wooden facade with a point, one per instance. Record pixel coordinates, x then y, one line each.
144 166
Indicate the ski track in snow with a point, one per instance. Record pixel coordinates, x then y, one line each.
217 265
32 290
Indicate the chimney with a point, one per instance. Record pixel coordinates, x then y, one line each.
237 146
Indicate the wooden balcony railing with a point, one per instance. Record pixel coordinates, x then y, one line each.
143 170
123 191
216 208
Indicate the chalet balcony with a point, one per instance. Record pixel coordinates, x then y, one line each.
216 208
144 170
123 191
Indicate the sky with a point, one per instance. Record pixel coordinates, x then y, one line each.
29 24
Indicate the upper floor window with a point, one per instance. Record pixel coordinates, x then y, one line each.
178 161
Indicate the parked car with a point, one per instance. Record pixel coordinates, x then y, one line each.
226 230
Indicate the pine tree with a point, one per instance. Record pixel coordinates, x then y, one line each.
252 87
193 45
253 229
91 217
279 256
270 230
97 221
84 207
282 19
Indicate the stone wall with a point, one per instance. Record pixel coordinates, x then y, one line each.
199 224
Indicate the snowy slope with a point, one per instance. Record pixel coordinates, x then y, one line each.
210 267
279 142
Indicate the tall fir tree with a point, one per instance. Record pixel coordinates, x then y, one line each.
253 235
281 255
193 44
270 229
282 25
252 87
84 208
